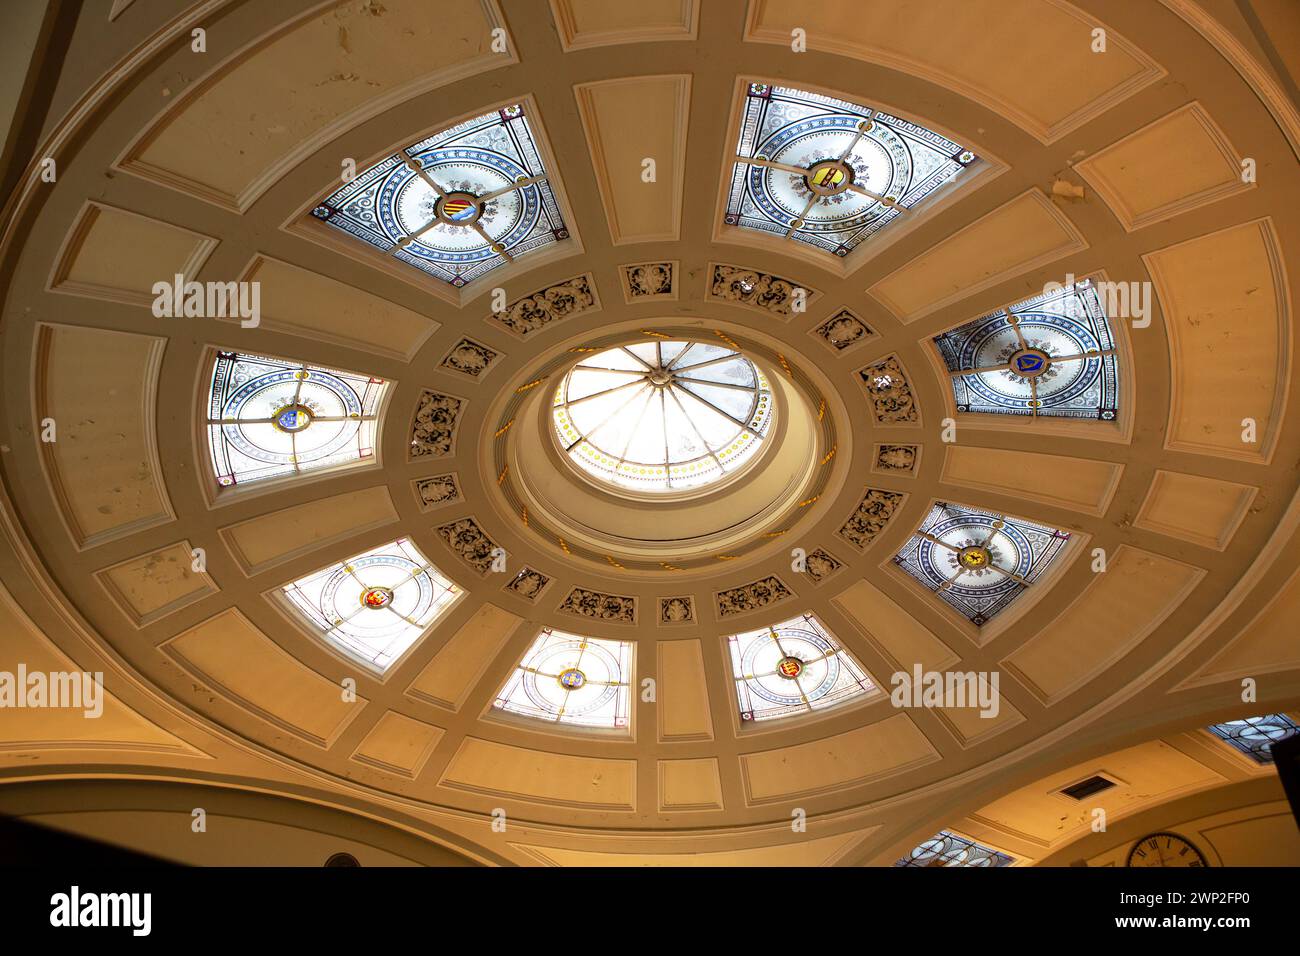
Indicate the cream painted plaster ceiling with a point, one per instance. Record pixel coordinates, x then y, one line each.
1121 165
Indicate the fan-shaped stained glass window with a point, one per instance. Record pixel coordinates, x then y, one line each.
569 679
376 605
457 204
270 417
978 561
831 173
948 849
793 668
1052 355
1255 736
663 416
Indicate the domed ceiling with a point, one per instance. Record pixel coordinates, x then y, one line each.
550 429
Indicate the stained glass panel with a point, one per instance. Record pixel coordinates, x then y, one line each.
569 679
948 849
457 204
830 173
270 417
1255 736
1052 355
376 605
790 668
663 416
978 561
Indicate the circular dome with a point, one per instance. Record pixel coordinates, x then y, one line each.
777 441
663 416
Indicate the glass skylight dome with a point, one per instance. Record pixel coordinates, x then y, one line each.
663 416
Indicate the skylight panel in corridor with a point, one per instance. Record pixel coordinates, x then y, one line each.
457 204
949 849
830 173
1255 736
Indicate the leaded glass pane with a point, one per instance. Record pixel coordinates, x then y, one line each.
1255 736
663 416
830 173
978 561
569 679
792 668
376 605
1052 355
948 849
479 199
270 417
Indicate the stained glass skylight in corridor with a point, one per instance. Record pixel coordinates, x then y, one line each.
1051 355
792 668
949 849
270 417
663 416
1255 736
457 204
568 679
830 173
376 605
978 561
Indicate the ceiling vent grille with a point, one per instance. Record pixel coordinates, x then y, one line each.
1087 788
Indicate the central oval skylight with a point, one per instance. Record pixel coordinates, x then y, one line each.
663 416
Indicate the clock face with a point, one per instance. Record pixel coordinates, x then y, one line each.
1164 849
